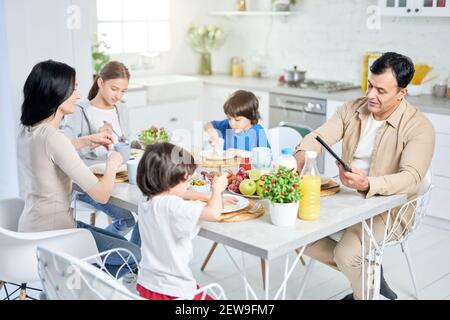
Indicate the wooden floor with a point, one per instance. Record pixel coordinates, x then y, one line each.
430 251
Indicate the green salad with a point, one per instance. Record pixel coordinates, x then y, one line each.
153 135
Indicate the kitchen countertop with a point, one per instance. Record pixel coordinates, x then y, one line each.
426 103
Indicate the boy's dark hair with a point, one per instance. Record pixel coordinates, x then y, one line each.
243 104
402 67
49 84
162 167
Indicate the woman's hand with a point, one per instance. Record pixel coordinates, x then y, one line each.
103 139
115 159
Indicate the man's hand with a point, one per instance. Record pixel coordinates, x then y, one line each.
356 179
100 139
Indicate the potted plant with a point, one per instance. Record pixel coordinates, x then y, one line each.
283 5
99 55
280 187
203 39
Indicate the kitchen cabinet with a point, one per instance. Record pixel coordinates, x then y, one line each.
179 117
441 171
214 98
415 8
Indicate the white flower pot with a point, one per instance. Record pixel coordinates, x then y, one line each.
283 214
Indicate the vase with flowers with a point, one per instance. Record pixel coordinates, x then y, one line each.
203 39
281 188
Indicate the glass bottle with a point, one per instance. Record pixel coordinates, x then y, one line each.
241 5
309 208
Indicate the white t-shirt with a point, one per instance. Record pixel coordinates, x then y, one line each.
96 117
167 225
363 154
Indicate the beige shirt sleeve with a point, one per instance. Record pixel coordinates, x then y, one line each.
64 155
414 163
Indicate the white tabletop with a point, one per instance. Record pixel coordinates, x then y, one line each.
261 238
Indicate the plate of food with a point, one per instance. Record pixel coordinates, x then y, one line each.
216 155
242 203
99 168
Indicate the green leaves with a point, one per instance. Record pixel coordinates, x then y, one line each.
153 135
99 55
281 186
204 38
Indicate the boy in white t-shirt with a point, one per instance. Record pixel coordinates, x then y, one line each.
167 223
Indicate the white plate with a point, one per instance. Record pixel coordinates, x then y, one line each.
211 155
241 204
241 195
99 168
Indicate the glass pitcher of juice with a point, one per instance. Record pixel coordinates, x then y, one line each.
309 208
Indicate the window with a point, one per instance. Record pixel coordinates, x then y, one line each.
131 26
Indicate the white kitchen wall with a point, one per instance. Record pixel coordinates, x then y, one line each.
8 179
327 38
37 31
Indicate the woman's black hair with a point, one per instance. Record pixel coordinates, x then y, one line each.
49 84
162 167
402 67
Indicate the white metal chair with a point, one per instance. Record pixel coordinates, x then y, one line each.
65 277
18 264
283 137
404 224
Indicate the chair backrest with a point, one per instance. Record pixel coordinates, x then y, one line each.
411 214
283 137
10 211
65 277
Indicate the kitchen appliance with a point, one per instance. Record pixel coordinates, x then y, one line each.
294 77
323 85
304 114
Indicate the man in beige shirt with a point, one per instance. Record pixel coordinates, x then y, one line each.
389 144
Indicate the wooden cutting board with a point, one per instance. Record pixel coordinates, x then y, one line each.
220 163
121 177
329 188
242 215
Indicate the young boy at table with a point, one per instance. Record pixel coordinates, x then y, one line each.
168 223
240 130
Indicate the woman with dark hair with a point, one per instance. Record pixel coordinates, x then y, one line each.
49 161
101 112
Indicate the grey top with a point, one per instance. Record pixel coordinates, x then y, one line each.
261 238
78 124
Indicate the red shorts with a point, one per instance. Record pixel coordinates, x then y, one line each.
151 295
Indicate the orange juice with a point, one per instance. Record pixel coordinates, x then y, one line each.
309 208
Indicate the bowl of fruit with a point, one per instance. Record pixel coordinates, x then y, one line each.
246 183
153 135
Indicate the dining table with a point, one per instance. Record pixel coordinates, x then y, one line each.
260 238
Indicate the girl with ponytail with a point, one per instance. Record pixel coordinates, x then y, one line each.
103 111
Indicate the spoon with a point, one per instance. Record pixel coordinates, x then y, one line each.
121 137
